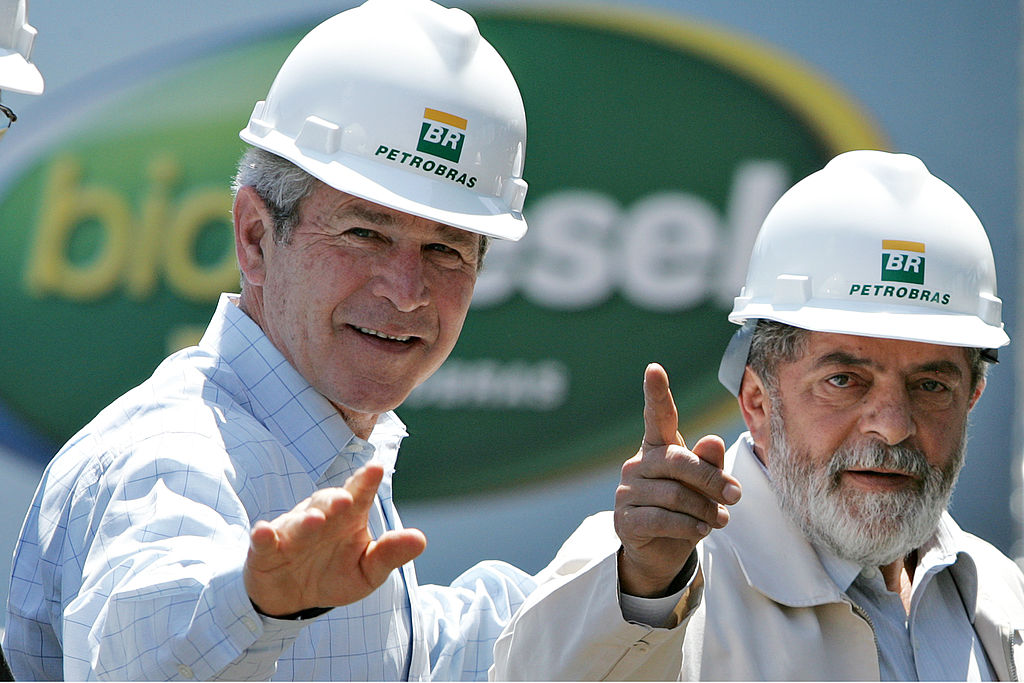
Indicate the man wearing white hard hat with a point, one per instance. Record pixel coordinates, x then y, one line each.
232 516
869 317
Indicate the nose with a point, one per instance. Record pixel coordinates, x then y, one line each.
887 414
399 277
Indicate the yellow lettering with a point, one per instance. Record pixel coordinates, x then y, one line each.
184 274
66 206
129 252
143 269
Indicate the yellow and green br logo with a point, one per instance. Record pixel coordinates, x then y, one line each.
903 261
442 134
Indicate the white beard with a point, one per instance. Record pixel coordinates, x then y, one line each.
870 529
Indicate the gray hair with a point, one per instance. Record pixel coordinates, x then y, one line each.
282 186
279 183
774 342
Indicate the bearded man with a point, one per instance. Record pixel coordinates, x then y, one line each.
869 319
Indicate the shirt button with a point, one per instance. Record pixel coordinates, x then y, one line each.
185 671
641 647
250 624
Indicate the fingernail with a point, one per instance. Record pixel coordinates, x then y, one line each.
703 528
731 493
723 516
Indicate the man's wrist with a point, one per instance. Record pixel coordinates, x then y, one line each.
630 585
301 615
685 575
666 609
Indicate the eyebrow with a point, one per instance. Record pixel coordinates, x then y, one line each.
383 218
457 235
843 358
368 215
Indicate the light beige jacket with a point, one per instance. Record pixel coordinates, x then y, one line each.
769 609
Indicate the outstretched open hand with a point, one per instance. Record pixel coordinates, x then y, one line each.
321 553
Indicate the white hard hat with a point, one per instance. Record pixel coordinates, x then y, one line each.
874 245
403 103
17 73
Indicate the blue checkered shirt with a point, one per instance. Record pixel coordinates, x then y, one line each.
129 565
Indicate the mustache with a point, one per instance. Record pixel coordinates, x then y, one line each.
875 455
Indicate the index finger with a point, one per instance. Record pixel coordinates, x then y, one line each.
661 419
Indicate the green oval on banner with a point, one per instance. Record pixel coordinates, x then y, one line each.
656 146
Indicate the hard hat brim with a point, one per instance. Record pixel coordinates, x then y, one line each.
421 196
17 74
911 324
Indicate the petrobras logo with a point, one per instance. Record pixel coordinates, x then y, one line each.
442 134
903 261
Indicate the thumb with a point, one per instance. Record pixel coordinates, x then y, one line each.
711 449
390 551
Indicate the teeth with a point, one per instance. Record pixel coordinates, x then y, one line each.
375 333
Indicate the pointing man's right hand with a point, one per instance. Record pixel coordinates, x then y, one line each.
670 497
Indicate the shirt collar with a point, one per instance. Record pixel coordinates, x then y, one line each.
947 549
843 572
285 402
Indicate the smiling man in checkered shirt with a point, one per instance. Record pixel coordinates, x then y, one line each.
232 517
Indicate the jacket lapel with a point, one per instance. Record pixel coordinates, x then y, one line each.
796 577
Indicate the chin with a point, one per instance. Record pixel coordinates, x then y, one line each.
371 405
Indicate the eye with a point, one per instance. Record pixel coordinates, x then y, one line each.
362 233
443 249
933 386
446 254
841 380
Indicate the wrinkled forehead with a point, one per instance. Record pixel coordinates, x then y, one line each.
822 349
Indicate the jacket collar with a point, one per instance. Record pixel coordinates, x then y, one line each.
794 577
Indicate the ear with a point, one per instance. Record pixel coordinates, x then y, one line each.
253 226
756 409
976 394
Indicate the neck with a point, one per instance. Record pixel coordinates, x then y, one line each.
899 577
361 424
